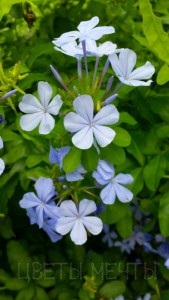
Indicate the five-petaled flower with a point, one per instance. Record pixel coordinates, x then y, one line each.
123 67
77 221
90 129
39 112
105 175
86 31
43 203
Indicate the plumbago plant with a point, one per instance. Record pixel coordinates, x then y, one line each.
82 185
83 181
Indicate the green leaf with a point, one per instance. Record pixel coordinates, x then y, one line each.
72 160
160 106
15 284
164 214
113 154
163 131
163 74
137 185
153 172
5 6
34 160
157 38
19 259
90 159
122 137
26 294
112 289
41 294
123 230
135 149
125 117
115 212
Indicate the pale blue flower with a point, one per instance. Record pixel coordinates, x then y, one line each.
105 175
90 129
48 224
49 227
56 157
166 264
38 112
43 203
123 67
109 235
2 164
146 297
87 30
77 221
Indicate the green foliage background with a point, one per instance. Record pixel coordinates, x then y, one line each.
141 148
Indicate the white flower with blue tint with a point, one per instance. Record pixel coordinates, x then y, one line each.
77 222
2 164
146 297
105 175
87 30
56 156
43 204
123 67
38 112
89 128
99 50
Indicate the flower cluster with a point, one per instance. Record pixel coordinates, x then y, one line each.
61 204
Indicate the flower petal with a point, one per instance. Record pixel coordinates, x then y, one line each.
86 26
144 72
65 225
103 135
69 208
29 200
66 38
108 194
86 207
30 104
45 93
47 123
93 224
55 105
84 107
1 143
30 121
2 166
78 234
123 178
123 194
107 115
73 122
45 189
127 59
84 138
98 32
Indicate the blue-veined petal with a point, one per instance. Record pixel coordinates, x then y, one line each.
103 135
84 107
30 104
123 178
47 123
55 105
2 166
107 115
78 234
29 200
108 194
83 139
69 208
30 121
44 92
45 189
86 207
65 224
144 72
123 194
73 122
93 224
